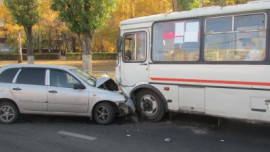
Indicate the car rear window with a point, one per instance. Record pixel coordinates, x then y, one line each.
32 76
8 75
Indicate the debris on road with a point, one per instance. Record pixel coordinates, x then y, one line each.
167 139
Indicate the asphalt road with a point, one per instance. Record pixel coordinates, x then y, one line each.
181 133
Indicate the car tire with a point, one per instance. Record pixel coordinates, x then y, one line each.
150 106
104 113
9 113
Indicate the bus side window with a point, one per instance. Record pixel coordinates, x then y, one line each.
176 40
235 38
135 47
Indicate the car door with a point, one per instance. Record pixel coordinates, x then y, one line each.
62 97
30 90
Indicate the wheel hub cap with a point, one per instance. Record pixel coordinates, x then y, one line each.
149 105
102 113
6 113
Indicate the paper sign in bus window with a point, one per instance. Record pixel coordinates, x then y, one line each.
192 32
192 26
180 29
191 37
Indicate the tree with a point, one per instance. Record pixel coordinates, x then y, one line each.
105 38
49 29
26 14
223 2
184 5
12 30
84 17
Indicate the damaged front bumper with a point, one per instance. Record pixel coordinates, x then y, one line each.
127 107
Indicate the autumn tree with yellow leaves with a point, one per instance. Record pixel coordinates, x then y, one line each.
12 30
105 39
84 17
26 14
48 31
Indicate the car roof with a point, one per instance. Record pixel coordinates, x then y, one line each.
63 67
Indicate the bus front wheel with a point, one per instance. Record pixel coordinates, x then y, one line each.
150 106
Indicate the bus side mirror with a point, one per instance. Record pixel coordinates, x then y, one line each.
119 44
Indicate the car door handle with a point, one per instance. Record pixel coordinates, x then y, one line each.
17 89
53 91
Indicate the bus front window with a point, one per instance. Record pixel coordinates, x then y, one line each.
135 47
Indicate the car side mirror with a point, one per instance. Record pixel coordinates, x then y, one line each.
78 86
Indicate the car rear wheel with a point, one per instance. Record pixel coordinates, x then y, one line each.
150 105
9 113
104 113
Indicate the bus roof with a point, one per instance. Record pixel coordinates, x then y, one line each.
204 11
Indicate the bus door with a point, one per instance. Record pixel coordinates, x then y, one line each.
135 65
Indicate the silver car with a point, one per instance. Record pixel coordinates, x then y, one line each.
57 90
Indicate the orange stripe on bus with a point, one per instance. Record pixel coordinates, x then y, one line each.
212 81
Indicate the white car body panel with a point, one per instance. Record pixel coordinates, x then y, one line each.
51 100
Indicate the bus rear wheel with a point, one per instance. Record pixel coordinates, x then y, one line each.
150 106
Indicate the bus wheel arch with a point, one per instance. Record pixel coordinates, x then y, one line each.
150 103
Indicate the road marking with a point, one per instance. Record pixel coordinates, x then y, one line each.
77 135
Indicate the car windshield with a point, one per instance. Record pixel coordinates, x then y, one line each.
84 76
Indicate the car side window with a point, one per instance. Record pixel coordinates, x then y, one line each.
60 78
8 75
31 76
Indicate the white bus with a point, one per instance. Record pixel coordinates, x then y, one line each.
212 61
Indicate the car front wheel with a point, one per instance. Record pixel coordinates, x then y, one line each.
104 113
8 113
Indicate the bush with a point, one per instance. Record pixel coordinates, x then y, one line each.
47 56
73 56
95 56
37 56
11 57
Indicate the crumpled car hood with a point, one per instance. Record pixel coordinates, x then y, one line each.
106 83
